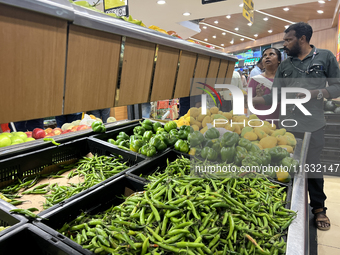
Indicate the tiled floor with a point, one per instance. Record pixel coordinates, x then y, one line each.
329 241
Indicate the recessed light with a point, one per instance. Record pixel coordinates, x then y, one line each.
287 26
232 42
321 2
224 33
256 35
206 39
241 5
161 2
265 19
319 11
286 9
228 16
214 36
187 14
204 27
236 28
216 21
249 24
242 39
222 44
270 31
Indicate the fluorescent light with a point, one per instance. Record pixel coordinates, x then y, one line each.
265 19
242 39
161 2
206 43
187 14
204 27
275 17
287 26
270 31
206 39
319 11
228 16
236 28
321 2
249 24
241 5
256 35
214 36
224 33
232 42
216 21
222 44
286 9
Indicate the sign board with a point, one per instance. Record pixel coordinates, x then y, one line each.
248 10
118 7
211 1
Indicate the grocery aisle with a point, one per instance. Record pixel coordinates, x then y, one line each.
328 241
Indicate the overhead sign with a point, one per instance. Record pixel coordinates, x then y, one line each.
211 1
118 7
248 10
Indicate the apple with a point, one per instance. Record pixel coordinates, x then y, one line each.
82 127
20 134
48 130
4 140
9 135
29 134
57 131
49 134
66 131
74 128
28 139
16 139
38 133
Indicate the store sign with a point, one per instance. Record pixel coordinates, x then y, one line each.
118 7
247 62
211 1
248 10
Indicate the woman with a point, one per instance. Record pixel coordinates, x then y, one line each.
262 84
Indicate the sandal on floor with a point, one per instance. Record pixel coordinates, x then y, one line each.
320 216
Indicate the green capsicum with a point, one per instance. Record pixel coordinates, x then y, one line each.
290 164
229 139
249 161
169 126
98 127
217 148
243 142
135 145
147 150
195 138
187 128
209 153
118 141
278 153
147 124
239 156
182 146
122 135
212 133
164 137
155 126
135 137
124 143
183 134
254 148
228 154
160 131
264 156
139 130
172 139
111 141
147 136
173 132
158 143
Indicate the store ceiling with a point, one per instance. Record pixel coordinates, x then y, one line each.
169 16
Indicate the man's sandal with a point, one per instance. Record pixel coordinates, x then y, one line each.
320 216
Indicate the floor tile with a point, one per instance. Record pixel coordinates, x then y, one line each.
328 250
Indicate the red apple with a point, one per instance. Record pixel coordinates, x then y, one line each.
29 134
65 131
57 131
48 130
38 133
50 134
82 127
73 129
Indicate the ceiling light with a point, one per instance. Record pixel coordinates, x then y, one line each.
270 31
241 5
214 36
275 17
242 39
222 44
161 2
286 26
321 2
249 24
224 33
319 11
227 31
204 27
216 21
232 42
256 35
228 16
286 9
206 39
236 28
187 14
265 19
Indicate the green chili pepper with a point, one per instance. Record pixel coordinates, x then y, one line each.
51 140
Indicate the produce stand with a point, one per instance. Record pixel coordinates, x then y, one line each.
11 221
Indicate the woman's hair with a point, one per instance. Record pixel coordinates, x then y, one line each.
278 53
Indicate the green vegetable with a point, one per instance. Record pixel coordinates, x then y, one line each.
160 131
228 154
278 153
212 133
135 137
243 142
158 143
182 146
195 138
183 134
122 135
173 132
52 140
98 127
229 139
135 145
290 164
139 130
169 126
209 153
147 124
148 150
156 125
147 136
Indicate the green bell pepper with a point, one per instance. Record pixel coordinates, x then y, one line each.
164 137
147 124
212 133
111 141
182 146
217 148
98 127
239 156
122 135
229 139
183 134
156 125
228 154
118 141
172 139
147 136
264 156
243 142
124 143
169 126
209 153
173 132
139 130
186 128
251 162
158 143
278 153
290 164
147 150
135 137
254 148
135 145
195 138
160 131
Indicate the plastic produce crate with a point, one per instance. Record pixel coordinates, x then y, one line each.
332 142
93 202
332 118
332 129
8 219
28 239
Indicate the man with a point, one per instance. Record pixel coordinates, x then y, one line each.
257 69
309 68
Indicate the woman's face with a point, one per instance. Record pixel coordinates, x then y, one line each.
270 58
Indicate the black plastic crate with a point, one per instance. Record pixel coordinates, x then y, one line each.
8 219
329 155
28 239
332 142
332 129
93 202
332 118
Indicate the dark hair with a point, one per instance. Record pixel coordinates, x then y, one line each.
301 28
278 53
260 61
